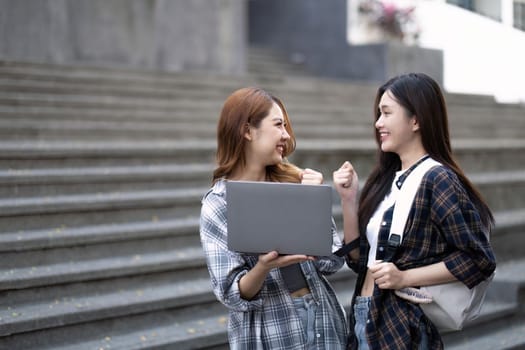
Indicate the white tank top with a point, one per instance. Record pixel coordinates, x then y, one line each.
372 229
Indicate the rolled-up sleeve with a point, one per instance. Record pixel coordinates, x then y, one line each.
471 259
331 264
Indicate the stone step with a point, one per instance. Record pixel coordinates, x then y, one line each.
503 190
505 331
209 108
181 328
24 260
146 209
475 155
57 213
507 238
56 129
77 86
116 297
28 269
93 300
512 272
198 327
132 297
307 126
77 175
98 100
33 153
509 334
43 233
353 92
97 114
266 61
140 78
45 182
179 88
107 102
134 113
104 76
30 239
470 116
106 191
116 177
78 203
134 80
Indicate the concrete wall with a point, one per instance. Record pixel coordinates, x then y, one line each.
316 31
170 35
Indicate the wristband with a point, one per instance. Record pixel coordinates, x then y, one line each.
347 248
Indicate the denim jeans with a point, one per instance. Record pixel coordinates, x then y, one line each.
424 337
306 309
361 308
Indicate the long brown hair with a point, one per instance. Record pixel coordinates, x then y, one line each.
421 96
249 106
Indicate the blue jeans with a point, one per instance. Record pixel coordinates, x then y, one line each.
306 309
361 308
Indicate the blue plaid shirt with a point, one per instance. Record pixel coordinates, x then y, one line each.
443 225
269 320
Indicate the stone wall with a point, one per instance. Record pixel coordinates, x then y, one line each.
174 35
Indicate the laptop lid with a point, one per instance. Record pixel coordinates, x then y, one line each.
289 218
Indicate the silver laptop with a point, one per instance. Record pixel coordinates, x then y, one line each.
288 218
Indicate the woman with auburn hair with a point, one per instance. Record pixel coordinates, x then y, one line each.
274 301
446 236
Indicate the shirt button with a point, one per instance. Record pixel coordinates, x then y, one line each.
318 335
367 321
381 249
383 223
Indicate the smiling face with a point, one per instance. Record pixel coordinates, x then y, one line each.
396 128
267 142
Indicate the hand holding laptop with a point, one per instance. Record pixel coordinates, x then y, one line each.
273 259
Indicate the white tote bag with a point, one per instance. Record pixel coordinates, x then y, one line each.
453 304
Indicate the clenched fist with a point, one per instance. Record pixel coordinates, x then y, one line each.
311 177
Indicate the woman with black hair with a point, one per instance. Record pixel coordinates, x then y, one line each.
446 233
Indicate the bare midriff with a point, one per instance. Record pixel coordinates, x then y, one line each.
368 286
300 293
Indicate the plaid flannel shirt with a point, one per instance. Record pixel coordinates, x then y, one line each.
443 225
269 320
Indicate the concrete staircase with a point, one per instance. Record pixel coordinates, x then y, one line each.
101 175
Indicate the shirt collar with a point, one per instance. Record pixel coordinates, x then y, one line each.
403 176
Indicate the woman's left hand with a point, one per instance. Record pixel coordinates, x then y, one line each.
311 177
387 276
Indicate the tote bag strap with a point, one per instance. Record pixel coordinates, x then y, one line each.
404 201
